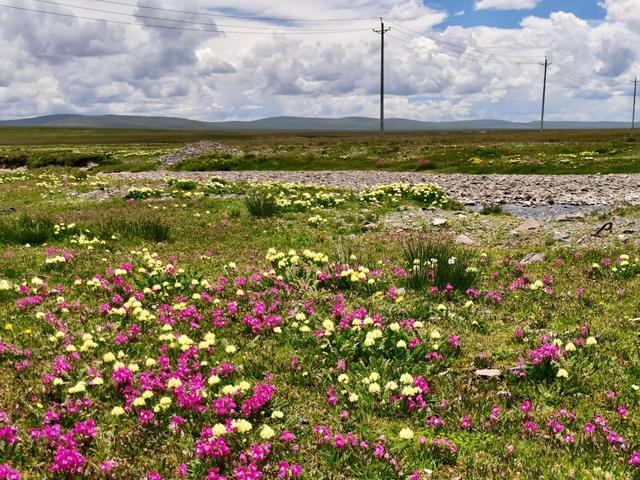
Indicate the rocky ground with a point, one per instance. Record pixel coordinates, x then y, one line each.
471 190
195 150
539 210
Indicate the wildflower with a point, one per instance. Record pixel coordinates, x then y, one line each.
406 379
406 434
241 426
591 341
374 388
267 432
117 411
562 373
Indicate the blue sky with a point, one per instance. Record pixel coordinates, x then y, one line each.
585 9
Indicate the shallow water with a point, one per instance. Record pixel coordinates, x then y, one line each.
546 212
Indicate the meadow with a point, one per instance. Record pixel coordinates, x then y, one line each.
216 330
554 152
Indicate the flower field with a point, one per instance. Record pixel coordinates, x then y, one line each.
215 330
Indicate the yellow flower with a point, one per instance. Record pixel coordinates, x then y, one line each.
174 383
219 429
277 414
241 426
562 373
78 387
267 432
374 388
406 379
117 411
591 341
406 434
570 347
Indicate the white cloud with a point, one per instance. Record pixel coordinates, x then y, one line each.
60 64
506 4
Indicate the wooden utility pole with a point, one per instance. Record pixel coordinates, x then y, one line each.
635 90
382 31
544 91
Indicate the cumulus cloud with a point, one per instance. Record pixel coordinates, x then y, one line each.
64 64
506 4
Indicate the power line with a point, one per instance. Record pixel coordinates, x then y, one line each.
244 17
460 47
167 27
188 22
462 55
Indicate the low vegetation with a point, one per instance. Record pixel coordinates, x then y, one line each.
173 335
525 152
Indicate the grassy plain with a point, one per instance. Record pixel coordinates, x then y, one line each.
554 152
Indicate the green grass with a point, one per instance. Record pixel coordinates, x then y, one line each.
26 230
528 152
177 248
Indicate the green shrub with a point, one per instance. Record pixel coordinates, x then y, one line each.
152 229
492 209
26 229
261 204
439 263
208 162
183 184
142 193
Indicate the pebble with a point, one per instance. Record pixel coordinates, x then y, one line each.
533 258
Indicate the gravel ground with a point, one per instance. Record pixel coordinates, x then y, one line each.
519 190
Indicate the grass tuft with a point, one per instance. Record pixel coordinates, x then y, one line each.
26 230
151 229
440 263
261 205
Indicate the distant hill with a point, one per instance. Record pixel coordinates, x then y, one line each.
347 124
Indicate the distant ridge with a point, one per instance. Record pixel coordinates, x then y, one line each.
347 124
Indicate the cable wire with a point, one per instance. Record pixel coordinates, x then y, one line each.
188 22
167 27
458 46
245 17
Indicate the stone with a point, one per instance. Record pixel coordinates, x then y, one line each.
533 258
561 236
529 226
370 226
464 240
439 222
488 372
571 217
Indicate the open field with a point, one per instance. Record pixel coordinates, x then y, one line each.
555 152
212 329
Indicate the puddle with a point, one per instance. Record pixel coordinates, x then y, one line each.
547 212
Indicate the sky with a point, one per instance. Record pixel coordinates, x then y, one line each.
248 59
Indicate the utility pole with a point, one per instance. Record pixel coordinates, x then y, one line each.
633 117
382 31
544 91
